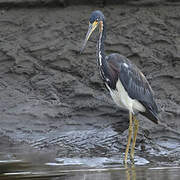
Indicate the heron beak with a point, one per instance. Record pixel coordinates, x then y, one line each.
91 28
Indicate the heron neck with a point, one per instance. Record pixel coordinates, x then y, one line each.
100 46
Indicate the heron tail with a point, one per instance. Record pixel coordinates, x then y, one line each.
153 116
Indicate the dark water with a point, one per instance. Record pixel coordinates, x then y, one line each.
100 168
24 163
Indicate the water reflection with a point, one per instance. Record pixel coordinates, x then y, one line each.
130 172
85 169
24 170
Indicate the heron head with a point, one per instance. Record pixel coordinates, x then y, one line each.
96 18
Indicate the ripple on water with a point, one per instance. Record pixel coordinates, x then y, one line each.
95 162
77 168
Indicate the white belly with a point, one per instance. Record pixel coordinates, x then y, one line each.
121 98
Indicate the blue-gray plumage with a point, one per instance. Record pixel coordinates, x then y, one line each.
134 82
125 82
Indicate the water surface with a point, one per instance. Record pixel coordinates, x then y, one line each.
95 168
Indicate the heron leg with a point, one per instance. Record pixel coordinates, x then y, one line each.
136 126
129 137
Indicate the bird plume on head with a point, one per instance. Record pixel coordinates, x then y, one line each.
96 16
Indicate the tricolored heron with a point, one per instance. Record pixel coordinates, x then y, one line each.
126 83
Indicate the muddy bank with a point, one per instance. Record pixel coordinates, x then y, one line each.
100 3
52 98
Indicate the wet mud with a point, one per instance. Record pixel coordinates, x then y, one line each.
52 98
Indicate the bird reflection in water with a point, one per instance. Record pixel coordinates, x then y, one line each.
130 172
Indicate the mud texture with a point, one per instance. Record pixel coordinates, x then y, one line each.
52 98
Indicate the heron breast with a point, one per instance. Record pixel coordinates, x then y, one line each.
123 100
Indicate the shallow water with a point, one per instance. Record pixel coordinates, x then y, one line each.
96 168
159 161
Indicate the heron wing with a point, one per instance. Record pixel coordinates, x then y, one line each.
133 81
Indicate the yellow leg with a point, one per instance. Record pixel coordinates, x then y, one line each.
129 137
136 126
